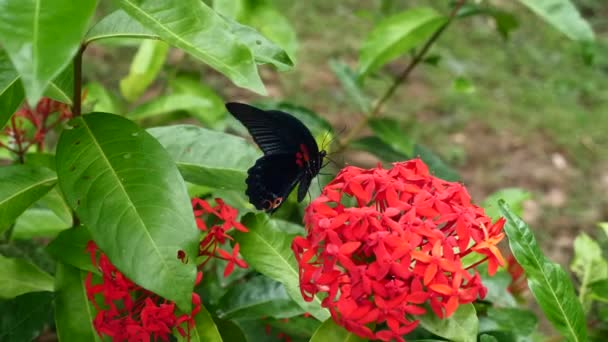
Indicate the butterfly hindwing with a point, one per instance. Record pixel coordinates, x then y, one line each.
271 179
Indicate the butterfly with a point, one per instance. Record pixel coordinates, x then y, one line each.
291 155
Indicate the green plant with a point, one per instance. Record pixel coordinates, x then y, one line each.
117 206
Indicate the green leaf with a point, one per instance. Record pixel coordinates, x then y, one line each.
562 15
268 250
127 191
233 9
257 298
599 290
298 326
39 223
69 248
264 51
588 265
48 36
330 331
202 102
100 99
19 276
435 164
396 35
547 281
463 85
390 133
22 185
379 148
348 80
169 103
208 157
274 25
462 326
192 26
229 330
514 197
205 329
487 338
22 319
74 314
62 87
118 24
10 100
522 321
146 65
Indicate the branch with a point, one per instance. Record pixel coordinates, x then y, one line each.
377 110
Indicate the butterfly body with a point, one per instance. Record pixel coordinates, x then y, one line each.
291 155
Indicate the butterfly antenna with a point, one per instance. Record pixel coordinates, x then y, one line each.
334 138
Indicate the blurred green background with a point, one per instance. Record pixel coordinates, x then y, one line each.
529 111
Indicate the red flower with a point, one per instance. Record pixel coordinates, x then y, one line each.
519 283
382 242
223 217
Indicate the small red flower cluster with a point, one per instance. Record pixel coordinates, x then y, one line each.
21 139
380 243
223 218
132 313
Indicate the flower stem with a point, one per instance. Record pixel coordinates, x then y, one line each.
377 109
77 96
17 136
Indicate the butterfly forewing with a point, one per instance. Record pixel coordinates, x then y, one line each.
291 155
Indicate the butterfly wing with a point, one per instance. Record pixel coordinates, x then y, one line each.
271 179
274 131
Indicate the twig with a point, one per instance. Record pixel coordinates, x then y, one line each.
377 110
77 96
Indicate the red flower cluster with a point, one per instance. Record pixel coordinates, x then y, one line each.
223 217
132 313
380 243
37 118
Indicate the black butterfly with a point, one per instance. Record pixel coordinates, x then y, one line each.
291 155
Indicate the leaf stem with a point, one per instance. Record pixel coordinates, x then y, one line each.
17 136
77 96
418 57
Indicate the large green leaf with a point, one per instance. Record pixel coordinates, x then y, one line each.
74 314
257 298
547 281
39 223
563 15
22 185
462 326
208 157
268 250
118 24
599 290
330 331
146 65
69 248
192 26
509 320
589 266
348 80
205 329
62 87
19 276
127 191
22 319
41 37
396 35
